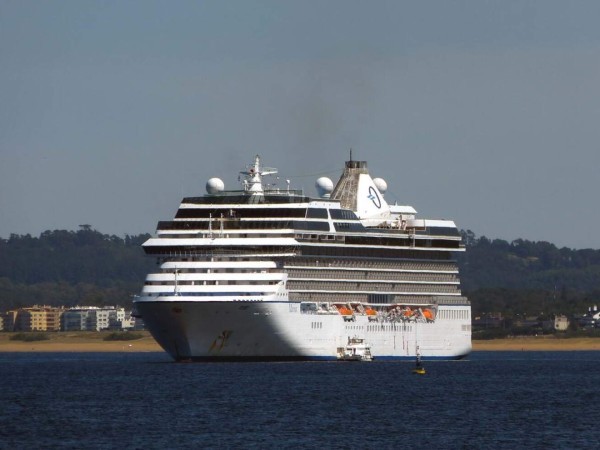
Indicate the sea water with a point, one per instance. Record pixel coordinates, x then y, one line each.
143 400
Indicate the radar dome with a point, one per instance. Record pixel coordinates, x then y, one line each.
214 186
380 184
324 186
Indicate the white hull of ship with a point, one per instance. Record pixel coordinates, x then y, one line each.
279 330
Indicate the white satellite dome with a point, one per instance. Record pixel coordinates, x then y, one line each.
380 184
324 187
214 186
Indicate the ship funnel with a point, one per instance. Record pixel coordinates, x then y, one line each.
356 190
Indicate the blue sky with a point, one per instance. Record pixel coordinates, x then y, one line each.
487 113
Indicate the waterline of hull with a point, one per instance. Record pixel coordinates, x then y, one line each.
310 359
279 331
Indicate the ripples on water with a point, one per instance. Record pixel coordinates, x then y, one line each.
493 400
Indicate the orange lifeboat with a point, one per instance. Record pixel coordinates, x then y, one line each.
370 312
428 314
344 311
408 312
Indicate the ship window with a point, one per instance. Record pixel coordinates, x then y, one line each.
342 214
312 226
348 226
316 213
215 213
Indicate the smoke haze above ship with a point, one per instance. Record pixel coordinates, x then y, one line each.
486 113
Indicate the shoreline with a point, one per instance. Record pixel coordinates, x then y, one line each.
91 341
538 343
79 341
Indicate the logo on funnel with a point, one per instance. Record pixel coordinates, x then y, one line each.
374 197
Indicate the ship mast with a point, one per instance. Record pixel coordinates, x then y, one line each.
252 183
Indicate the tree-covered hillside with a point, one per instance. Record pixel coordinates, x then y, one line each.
528 278
71 268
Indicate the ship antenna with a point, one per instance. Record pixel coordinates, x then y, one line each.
350 154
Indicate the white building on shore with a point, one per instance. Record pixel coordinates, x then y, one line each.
96 319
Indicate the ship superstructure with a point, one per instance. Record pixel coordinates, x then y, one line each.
270 273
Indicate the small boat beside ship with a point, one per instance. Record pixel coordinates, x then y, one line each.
355 350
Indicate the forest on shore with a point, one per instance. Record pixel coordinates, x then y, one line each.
72 268
85 267
527 278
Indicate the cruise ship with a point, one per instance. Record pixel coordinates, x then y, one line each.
269 273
